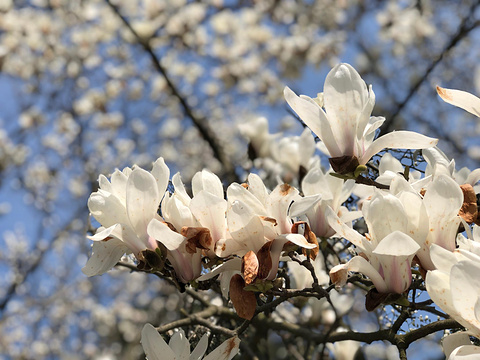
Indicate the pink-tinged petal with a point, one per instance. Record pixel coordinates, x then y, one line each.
143 200
236 192
206 180
154 346
314 117
105 254
461 99
226 351
346 232
161 173
234 264
107 209
465 352
180 345
246 229
395 253
200 349
359 264
210 212
453 341
398 140
465 287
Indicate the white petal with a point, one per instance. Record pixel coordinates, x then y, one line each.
206 180
154 346
123 233
180 189
296 239
462 99
245 227
465 286
384 214
238 192
142 200
230 265
161 232
398 140
200 349
314 117
397 244
257 188
161 173
180 345
343 230
210 211
345 95
278 203
226 351
105 254
107 209
359 264
452 341
301 206
465 352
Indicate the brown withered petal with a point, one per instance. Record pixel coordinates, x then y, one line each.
344 164
264 260
197 237
373 299
269 219
243 301
170 226
309 236
285 189
469 211
249 267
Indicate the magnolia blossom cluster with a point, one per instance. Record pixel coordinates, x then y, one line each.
247 230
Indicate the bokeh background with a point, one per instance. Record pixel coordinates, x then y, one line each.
87 86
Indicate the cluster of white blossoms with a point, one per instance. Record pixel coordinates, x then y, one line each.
412 221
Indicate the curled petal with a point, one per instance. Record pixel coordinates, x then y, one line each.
398 140
105 254
461 99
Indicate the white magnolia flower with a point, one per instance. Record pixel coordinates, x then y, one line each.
345 126
455 286
461 99
457 346
179 347
387 247
333 191
124 206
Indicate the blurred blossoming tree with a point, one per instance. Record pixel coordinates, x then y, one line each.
256 247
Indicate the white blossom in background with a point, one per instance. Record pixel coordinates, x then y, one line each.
345 127
179 347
